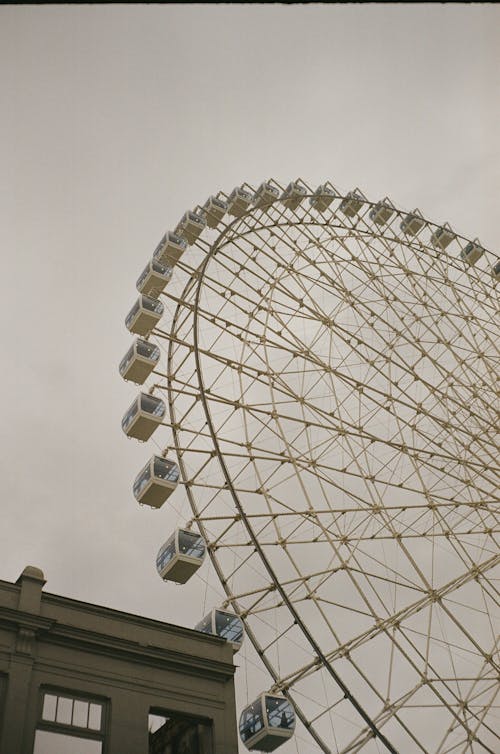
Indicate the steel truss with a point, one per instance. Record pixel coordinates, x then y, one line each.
331 385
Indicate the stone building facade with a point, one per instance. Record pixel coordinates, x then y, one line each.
91 680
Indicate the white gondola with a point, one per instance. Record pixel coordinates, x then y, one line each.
265 195
472 252
144 315
144 416
352 203
181 556
225 624
139 361
443 236
412 223
170 249
496 270
267 723
293 195
215 209
190 226
382 212
156 482
154 278
322 198
238 201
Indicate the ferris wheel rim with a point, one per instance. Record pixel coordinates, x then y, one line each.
199 276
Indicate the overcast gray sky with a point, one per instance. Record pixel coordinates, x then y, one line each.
115 120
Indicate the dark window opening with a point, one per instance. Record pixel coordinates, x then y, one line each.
3 694
171 733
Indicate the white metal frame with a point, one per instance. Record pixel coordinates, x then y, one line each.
330 383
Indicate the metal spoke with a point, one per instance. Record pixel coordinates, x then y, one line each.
331 393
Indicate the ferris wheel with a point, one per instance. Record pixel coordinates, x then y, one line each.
328 386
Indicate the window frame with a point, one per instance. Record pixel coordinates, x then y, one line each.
69 729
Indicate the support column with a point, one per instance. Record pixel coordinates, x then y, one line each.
128 733
14 737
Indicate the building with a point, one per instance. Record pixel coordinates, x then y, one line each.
80 678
